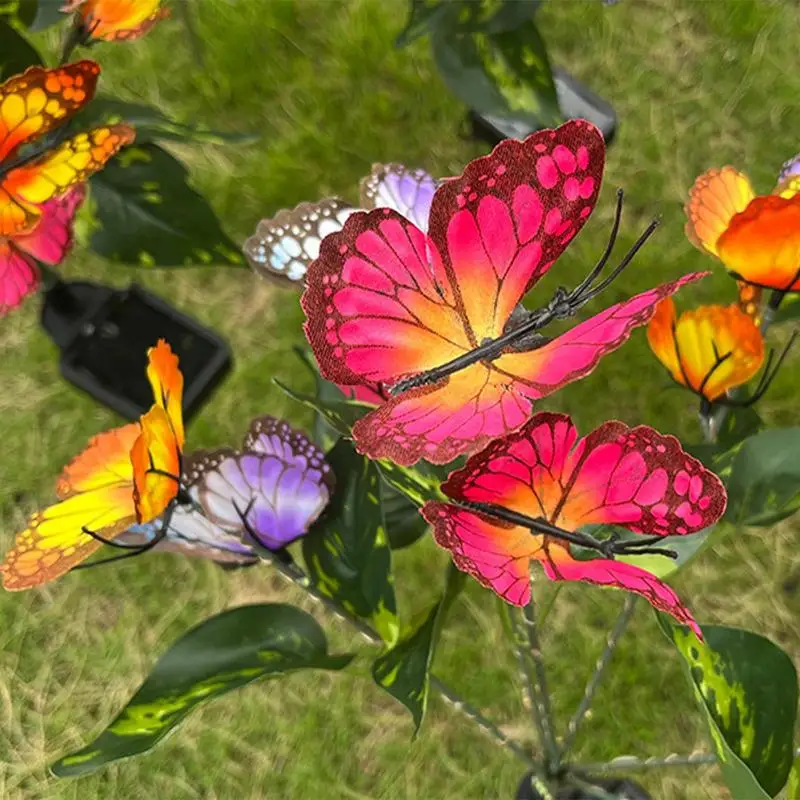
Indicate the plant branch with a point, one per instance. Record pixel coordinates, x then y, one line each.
294 574
599 670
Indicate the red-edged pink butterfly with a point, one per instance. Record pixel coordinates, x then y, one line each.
635 478
384 301
49 242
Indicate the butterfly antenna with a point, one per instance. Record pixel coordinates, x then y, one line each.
631 254
139 550
767 377
612 239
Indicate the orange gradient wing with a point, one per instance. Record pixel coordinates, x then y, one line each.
118 20
167 381
38 100
25 188
716 197
156 460
95 492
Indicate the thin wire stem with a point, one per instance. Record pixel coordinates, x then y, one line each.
528 676
641 764
548 606
594 681
295 575
529 618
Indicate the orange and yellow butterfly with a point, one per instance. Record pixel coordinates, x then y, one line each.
116 20
32 105
756 237
126 475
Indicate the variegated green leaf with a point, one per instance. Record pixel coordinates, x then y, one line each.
404 670
346 552
223 653
747 687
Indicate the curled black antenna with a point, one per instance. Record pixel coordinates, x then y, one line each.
563 305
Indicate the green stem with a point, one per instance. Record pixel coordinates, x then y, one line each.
548 606
599 670
299 578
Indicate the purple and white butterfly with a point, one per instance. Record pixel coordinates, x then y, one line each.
283 246
274 489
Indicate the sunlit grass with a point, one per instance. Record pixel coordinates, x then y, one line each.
695 85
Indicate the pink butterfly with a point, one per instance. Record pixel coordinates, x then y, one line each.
50 242
635 478
384 301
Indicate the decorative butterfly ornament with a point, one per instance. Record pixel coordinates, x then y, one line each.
757 238
635 478
126 475
271 491
284 246
432 318
32 105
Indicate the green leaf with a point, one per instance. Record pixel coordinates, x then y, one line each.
151 124
498 70
23 11
147 214
346 552
16 53
764 481
341 415
223 653
687 547
422 17
419 483
404 524
748 688
793 784
404 670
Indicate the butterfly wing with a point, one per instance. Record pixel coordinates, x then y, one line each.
789 178
166 380
282 484
405 190
24 189
95 492
38 100
383 302
19 276
283 246
156 454
633 477
118 20
714 199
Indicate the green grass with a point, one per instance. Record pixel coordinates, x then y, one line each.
695 85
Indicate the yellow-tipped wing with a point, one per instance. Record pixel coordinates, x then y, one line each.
96 492
25 188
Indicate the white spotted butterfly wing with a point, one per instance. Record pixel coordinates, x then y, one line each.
284 245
